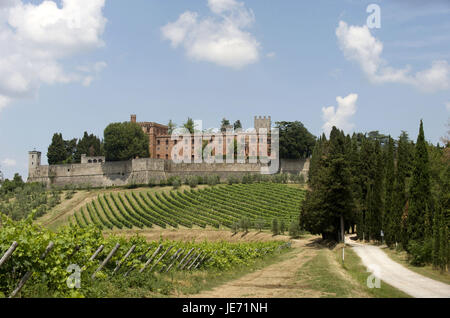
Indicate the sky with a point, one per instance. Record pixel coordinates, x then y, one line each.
71 66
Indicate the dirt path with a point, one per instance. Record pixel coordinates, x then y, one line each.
397 275
274 281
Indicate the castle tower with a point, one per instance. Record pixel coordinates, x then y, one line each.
34 160
262 122
133 118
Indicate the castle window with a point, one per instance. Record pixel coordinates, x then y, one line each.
167 156
95 160
167 141
192 141
157 156
175 142
158 141
100 160
89 161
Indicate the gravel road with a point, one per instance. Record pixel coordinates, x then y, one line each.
397 275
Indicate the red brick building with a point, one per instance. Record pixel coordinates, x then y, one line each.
161 144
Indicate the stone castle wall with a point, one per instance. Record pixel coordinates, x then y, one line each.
141 171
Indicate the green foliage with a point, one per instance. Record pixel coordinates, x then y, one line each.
245 224
295 140
225 122
28 198
10 186
282 227
176 183
57 152
294 229
193 182
89 145
189 125
75 245
420 251
420 205
275 227
125 141
331 193
171 127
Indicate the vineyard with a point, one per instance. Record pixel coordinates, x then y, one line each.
34 256
212 206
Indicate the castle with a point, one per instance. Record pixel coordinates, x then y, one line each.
161 144
97 172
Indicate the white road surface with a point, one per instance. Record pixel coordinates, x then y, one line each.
397 275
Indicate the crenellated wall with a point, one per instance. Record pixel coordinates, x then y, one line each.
141 171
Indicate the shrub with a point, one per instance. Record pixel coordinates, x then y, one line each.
420 252
244 224
259 224
193 182
232 180
294 229
282 227
213 180
235 227
275 227
176 183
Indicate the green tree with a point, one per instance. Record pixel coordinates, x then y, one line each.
125 141
89 145
402 172
237 125
171 127
296 141
275 227
282 226
224 124
419 220
56 153
329 204
375 195
189 125
388 217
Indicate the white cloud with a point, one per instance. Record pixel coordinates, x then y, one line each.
36 38
9 162
4 101
358 44
271 54
340 116
447 106
219 38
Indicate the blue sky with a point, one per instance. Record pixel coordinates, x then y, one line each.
288 59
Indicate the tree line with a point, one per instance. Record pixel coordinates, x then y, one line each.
382 189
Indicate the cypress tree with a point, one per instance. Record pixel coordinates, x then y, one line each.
403 168
388 216
56 153
419 221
